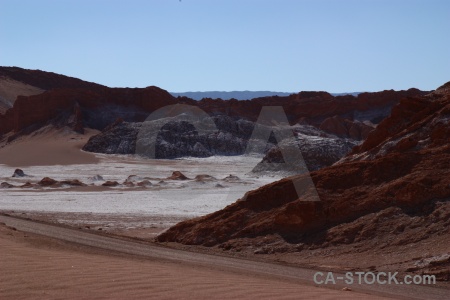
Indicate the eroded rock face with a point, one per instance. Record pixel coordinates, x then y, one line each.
180 138
176 139
404 165
76 102
117 139
96 106
318 150
345 128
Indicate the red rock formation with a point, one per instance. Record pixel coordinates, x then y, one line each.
47 181
73 182
39 109
310 107
46 80
110 183
404 164
65 93
346 128
76 123
177 175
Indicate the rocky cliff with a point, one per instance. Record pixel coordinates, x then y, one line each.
180 138
318 150
402 171
176 138
313 108
100 106
71 102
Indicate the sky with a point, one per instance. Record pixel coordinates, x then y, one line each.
226 45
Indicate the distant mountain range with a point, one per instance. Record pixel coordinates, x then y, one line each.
241 95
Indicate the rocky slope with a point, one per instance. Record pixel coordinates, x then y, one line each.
318 149
64 97
10 89
180 138
394 189
314 108
16 82
100 106
238 95
176 138
78 104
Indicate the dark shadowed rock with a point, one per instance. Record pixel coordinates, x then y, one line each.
110 183
231 178
117 139
177 175
398 178
85 104
6 185
318 149
96 178
144 183
27 185
19 173
73 182
176 139
204 177
345 128
47 181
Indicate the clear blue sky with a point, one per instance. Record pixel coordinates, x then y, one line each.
194 45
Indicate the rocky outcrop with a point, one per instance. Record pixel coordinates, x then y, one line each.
204 177
72 182
50 182
47 181
83 107
403 166
96 106
45 80
117 139
19 173
318 150
314 107
177 175
6 185
345 128
176 139
81 103
111 183
10 89
415 124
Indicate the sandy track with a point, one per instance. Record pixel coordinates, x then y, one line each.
149 270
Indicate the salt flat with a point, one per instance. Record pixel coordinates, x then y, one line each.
158 206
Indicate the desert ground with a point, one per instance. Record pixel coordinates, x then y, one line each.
211 184
34 266
37 266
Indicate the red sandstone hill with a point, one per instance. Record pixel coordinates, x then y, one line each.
45 80
315 107
95 106
90 104
392 190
